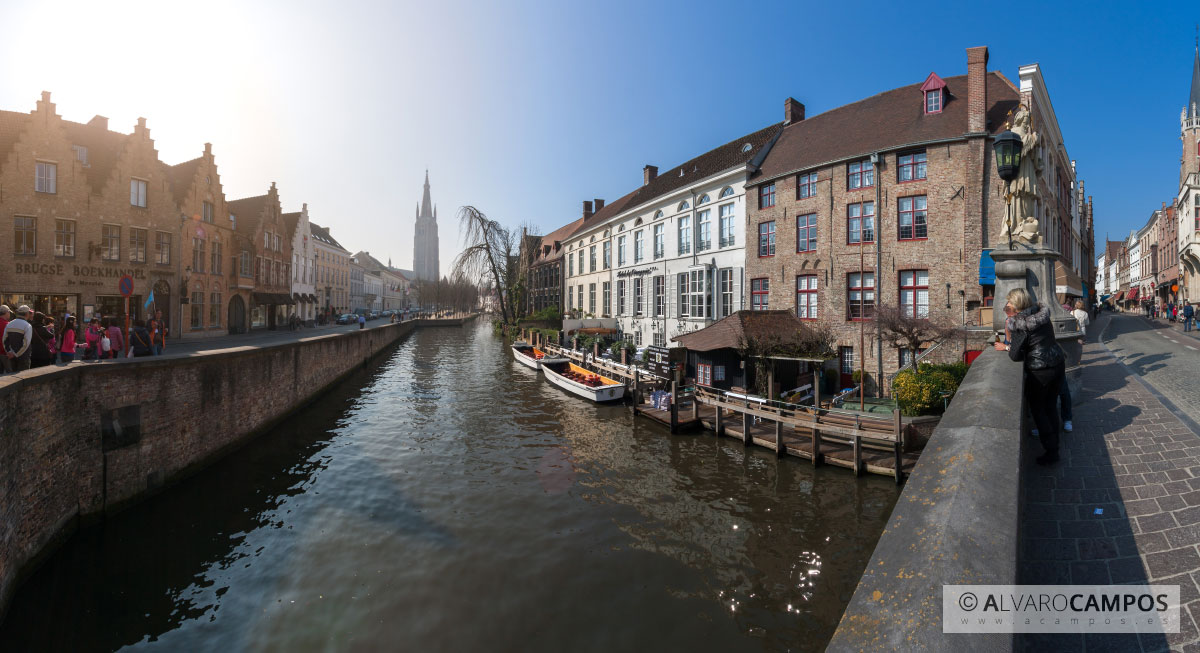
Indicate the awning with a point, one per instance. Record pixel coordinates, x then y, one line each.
987 269
1133 295
1120 296
312 299
273 298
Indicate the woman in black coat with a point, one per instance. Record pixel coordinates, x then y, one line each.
1045 366
39 353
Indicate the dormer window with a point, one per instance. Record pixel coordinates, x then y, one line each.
935 93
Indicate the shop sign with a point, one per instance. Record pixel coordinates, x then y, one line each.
636 273
61 269
663 361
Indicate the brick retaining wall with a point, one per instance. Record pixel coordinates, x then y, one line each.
80 440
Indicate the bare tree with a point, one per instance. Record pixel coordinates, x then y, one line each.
900 328
809 341
488 255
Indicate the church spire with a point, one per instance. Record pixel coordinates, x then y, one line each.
1193 105
426 204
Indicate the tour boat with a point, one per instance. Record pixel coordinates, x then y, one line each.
531 356
581 382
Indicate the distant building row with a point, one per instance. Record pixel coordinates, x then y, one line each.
893 199
86 206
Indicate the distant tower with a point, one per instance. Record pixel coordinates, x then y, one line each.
425 242
1189 121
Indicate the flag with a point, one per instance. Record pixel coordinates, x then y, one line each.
150 299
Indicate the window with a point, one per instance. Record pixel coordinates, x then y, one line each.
592 298
197 309
659 240
64 238
694 290
581 261
267 243
725 192
860 223
607 297
912 218
580 295
906 357
198 255
910 167
760 290
47 177
660 296
718 372
607 254
660 339
860 174
137 245
914 293
592 258
637 338
137 192
207 214
860 295
162 247
704 230
806 297
637 295
806 233
620 250
570 265
214 309
806 185
766 239
685 234
81 153
703 199
725 225
25 238
639 240
726 280
704 374
216 266
110 243
620 297
933 101
279 246
846 355
683 206
766 196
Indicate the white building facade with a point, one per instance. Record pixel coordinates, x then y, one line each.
303 289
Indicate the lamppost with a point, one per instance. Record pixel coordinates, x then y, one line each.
1008 162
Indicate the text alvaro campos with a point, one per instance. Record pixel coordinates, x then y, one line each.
1060 608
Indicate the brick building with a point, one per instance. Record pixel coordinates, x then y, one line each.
895 199
80 207
260 220
546 269
332 270
1167 288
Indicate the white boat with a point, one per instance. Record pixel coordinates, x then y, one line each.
531 356
581 382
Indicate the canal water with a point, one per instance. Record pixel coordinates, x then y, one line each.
448 499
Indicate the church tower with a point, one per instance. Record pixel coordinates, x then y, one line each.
425 242
1190 126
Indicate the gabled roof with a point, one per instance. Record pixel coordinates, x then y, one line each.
729 332
290 220
248 212
1112 249
558 235
322 235
104 149
888 120
182 175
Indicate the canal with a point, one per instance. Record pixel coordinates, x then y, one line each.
448 499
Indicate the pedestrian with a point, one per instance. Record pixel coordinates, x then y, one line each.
18 340
139 339
362 322
1081 316
40 354
1174 312
1188 314
116 340
66 340
157 329
1045 365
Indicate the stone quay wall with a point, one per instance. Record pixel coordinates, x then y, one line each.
85 439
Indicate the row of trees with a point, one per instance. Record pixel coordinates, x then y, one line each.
456 294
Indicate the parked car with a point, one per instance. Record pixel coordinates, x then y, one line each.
347 319
373 316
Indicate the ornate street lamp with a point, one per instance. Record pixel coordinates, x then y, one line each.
1008 162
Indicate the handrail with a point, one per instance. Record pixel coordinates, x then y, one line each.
803 416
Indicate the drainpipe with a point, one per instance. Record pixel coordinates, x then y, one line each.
877 163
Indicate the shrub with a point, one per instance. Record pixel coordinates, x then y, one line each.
831 380
616 348
920 392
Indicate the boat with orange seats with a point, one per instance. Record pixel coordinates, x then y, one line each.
530 356
582 382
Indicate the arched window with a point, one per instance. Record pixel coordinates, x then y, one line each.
727 192
704 199
637 222
683 206
658 214
621 228
747 147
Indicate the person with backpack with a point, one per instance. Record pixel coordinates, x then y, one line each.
139 339
18 340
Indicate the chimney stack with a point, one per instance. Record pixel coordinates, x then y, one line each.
977 102
793 111
208 149
649 174
599 204
587 209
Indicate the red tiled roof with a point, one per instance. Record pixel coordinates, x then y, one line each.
248 212
885 121
728 333
561 235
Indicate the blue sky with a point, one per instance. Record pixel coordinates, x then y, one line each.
524 109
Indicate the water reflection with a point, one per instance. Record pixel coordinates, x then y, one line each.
450 499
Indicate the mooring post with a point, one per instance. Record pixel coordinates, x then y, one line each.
817 388
746 421
637 391
778 438
898 447
720 421
674 406
695 403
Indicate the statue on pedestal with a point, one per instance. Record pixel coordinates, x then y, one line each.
1020 223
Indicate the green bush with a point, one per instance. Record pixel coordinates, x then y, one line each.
920 392
550 314
616 348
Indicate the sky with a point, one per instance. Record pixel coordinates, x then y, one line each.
525 109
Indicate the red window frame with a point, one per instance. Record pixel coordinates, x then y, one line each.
808 298
704 374
852 305
806 232
930 94
860 217
766 196
912 166
910 309
766 239
918 219
865 168
760 293
806 185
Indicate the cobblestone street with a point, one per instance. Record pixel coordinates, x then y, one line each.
1123 506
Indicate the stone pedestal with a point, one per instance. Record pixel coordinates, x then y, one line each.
1032 268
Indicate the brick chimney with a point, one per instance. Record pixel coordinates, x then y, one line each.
793 111
649 174
599 204
587 209
977 102
208 149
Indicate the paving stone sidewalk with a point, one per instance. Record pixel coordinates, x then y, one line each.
1123 505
